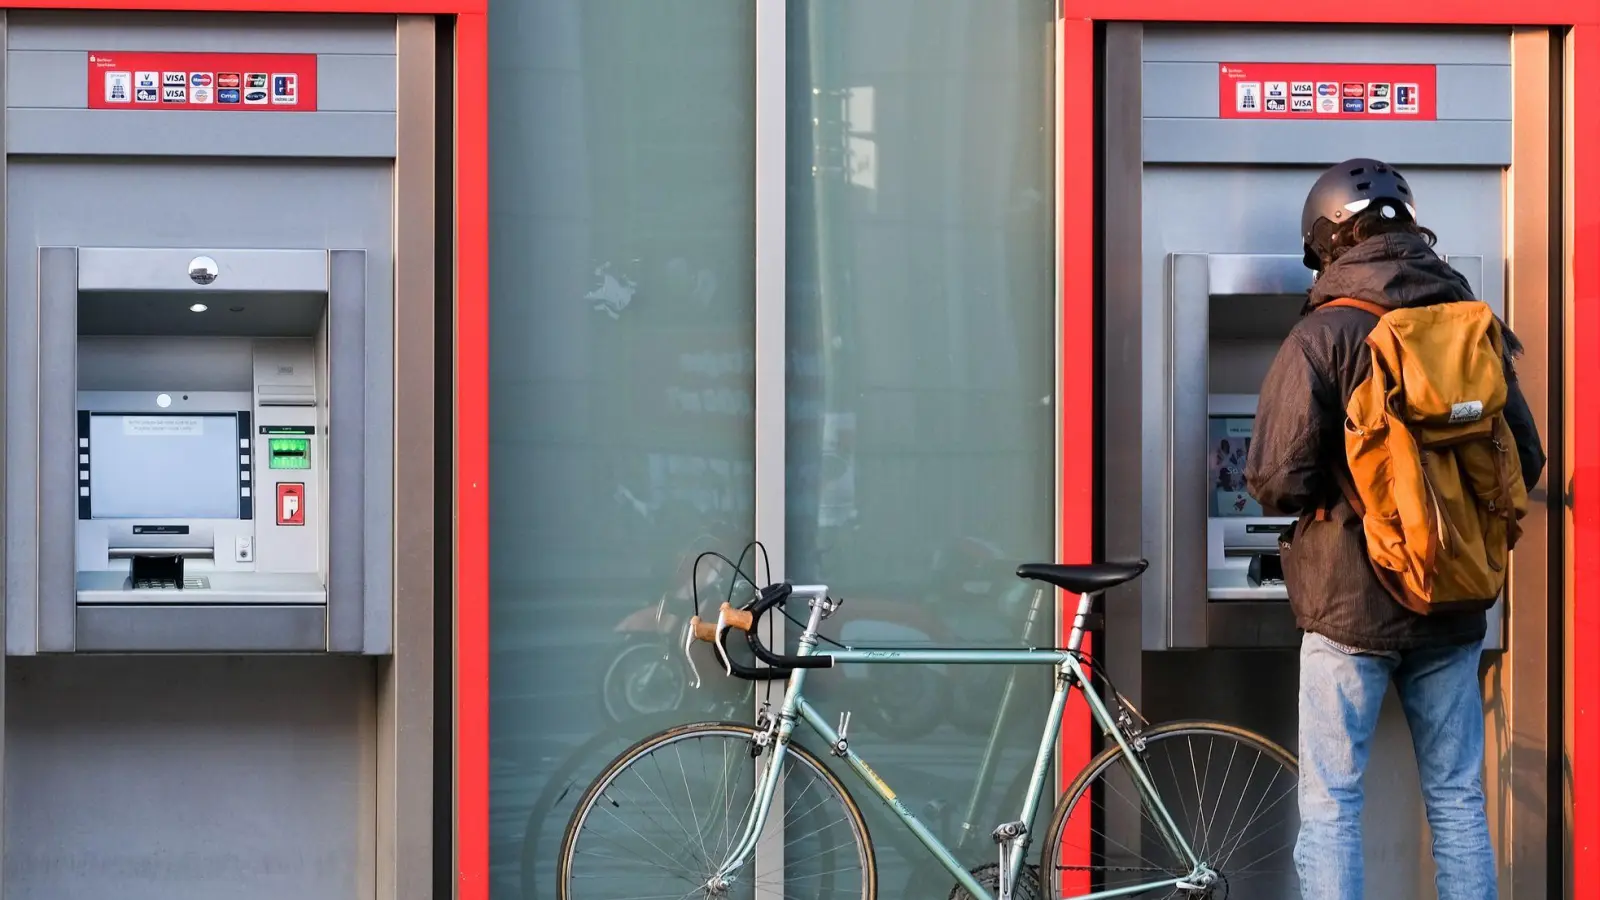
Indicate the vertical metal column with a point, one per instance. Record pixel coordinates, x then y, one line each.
406 679
1122 381
771 350
1517 683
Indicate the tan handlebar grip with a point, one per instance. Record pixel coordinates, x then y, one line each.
703 631
741 619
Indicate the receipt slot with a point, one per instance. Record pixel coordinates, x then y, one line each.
203 430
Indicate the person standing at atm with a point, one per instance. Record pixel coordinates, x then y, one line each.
1362 239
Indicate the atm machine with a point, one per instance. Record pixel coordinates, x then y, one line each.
1217 568
1204 279
219 337
213 509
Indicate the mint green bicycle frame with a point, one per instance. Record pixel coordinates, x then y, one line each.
1069 673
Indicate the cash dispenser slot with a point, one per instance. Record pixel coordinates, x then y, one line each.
157 572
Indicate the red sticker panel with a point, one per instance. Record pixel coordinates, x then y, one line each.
291 503
1395 93
248 82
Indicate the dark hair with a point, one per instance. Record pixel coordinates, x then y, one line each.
1332 241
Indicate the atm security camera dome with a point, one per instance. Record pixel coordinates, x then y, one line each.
202 270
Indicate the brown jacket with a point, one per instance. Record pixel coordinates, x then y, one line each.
1298 439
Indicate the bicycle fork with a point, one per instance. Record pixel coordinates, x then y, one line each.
774 739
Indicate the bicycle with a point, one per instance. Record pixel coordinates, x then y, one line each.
761 760
565 786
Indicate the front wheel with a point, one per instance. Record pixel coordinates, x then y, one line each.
667 813
1230 792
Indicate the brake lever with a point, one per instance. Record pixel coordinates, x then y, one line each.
688 641
722 626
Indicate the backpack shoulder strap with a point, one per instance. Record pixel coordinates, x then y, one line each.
1341 476
1353 303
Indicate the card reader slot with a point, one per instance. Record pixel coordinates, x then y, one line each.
136 552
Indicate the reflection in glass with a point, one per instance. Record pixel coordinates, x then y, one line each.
622 430
920 386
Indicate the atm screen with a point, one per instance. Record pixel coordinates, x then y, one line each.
164 466
1227 447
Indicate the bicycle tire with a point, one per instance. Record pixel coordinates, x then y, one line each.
1102 761
645 746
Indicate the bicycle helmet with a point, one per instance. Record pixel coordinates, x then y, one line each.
1345 190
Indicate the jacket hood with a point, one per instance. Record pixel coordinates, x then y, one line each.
1397 270
1393 270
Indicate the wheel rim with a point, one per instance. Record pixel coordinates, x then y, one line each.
1231 794
658 824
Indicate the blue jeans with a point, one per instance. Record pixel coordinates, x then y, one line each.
1341 692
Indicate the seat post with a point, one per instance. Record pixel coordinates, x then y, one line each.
1085 605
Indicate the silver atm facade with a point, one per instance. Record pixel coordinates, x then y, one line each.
1203 279
213 508
219 451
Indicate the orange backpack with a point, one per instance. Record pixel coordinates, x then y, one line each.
1434 472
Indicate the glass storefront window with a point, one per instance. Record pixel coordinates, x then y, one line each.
921 414
919 395
622 430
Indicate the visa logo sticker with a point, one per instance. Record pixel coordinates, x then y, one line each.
1301 104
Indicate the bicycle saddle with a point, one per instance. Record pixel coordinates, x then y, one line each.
1084 579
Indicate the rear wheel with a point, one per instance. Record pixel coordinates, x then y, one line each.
664 816
1230 792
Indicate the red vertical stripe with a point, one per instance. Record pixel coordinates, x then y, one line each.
1078 366
1584 221
472 457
